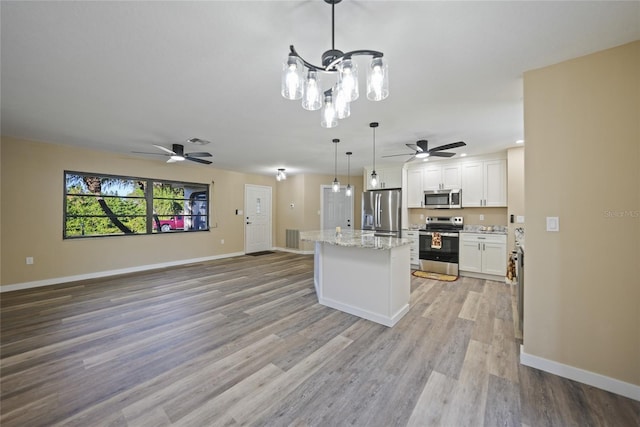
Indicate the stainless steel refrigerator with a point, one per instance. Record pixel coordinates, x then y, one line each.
381 212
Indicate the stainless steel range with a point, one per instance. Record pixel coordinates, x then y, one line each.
439 245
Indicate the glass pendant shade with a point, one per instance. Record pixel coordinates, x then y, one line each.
377 80
292 78
349 190
312 96
374 179
329 116
341 102
348 79
281 175
335 187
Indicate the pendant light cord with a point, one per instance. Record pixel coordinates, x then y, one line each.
374 149
333 26
335 163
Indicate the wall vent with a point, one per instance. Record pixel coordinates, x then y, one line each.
293 239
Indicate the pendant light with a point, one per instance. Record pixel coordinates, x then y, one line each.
374 175
349 189
281 175
335 187
300 79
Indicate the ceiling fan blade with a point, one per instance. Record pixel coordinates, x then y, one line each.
165 149
440 154
154 154
409 159
413 147
198 154
195 159
423 145
398 155
448 146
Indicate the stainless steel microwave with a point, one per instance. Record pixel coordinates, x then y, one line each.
443 199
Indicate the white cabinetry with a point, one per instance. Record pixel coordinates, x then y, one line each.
484 183
441 177
414 249
415 193
388 177
483 253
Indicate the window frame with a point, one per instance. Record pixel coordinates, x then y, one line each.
202 189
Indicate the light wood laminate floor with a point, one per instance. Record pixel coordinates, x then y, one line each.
243 341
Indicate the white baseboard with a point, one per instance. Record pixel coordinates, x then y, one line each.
107 273
294 251
622 388
365 314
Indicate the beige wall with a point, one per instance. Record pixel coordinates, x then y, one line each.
515 191
304 192
582 292
31 206
32 225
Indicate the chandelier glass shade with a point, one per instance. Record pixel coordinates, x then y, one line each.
301 79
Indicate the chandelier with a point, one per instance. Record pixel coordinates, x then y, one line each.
302 80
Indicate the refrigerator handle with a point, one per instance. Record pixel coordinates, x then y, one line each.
378 209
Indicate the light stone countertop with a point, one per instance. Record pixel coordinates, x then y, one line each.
355 239
481 229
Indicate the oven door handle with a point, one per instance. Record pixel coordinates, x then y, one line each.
430 233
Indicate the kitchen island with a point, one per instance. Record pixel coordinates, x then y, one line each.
362 274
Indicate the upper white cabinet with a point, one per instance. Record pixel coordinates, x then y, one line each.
433 177
388 177
484 183
415 194
441 177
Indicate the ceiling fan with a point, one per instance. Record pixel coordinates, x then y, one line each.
177 154
421 150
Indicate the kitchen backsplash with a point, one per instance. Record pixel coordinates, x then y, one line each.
492 216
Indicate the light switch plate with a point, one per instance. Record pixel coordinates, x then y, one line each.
553 223
520 219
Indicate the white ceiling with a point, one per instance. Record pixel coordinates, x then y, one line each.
121 76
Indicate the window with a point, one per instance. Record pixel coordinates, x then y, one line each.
109 205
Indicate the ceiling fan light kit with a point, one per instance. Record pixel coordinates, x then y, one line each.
177 154
301 79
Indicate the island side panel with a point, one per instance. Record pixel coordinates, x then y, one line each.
363 282
400 276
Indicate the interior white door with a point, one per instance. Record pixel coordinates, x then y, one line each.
257 209
336 209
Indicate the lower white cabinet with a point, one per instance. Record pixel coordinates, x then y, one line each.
414 249
483 253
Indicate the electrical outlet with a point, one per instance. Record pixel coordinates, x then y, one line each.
520 219
481 217
29 260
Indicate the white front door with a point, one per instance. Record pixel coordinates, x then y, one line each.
336 209
257 218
